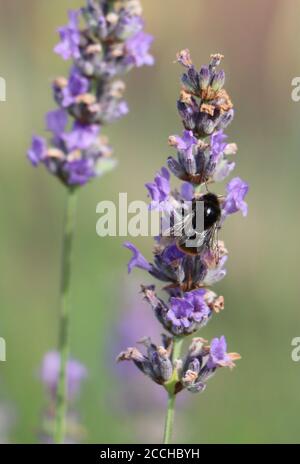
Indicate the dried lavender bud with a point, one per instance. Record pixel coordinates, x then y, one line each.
156 364
202 362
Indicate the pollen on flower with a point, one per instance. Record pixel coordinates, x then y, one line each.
206 108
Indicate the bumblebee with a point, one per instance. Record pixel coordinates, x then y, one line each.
193 239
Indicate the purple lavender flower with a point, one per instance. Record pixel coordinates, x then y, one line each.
180 312
185 314
56 122
81 137
137 259
190 312
70 38
128 25
38 150
237 189
187 191
111 43
186 143
76 373
187 271
202 362
159 190
80 171
204 104
49 374
218 353
137 50
218 145
77 85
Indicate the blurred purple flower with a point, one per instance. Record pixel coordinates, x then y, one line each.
49 374
70 38
81 137
77 85
79 171
56 122
237 189
128 25
37 151
104 40
137 50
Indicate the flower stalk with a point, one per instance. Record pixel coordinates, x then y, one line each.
65 315
188 257
104 40
170 387
169 419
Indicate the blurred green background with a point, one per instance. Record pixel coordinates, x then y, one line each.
259 401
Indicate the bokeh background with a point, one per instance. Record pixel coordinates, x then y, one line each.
259 401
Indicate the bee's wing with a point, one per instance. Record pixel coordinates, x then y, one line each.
200 240
182 224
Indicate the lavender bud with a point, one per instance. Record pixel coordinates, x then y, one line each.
218 81
166 367
187 114
176 168
204 77
191 80
127 25
198 387
225 119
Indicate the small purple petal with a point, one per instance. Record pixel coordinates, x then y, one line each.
81 137
77 85
237 189
79 171
187 191
56 122
160 189
137 49
137 259
37 151
218 145
218 352
70 38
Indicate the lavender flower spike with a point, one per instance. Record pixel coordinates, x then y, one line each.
103 40
189 262
76 373
49 375
111 43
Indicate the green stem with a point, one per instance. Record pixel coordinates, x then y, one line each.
169 423
64 348
169 419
